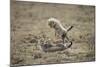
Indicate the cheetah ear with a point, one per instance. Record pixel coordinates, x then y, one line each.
69 28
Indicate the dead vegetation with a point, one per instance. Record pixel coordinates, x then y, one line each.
30 32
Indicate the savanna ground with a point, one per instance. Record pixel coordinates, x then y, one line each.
29 25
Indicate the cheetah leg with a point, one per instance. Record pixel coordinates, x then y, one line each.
67 38
63 38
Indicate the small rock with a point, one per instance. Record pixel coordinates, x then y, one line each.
33 41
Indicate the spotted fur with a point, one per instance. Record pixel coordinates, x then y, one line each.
59 29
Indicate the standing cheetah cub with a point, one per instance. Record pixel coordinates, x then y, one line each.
59 29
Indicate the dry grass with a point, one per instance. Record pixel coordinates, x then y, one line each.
29 25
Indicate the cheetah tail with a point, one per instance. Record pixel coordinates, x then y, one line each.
69 28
